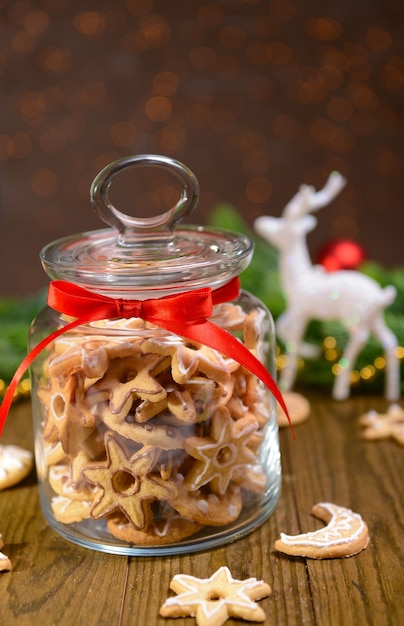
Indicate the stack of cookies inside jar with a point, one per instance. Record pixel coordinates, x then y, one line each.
156 435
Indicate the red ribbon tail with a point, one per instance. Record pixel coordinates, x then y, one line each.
23 367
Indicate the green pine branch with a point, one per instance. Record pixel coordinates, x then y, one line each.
16 315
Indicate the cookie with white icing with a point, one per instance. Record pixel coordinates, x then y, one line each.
212 601
15 464
68 511
5 563
169 529
344 535
376 426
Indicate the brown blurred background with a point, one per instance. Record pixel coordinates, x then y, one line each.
254 96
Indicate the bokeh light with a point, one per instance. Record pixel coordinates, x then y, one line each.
255 96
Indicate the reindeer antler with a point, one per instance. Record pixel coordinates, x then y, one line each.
307 199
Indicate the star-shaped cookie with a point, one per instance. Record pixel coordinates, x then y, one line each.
87 354
67 417
212 601
129 378
188 358
128 484
384 425
219 455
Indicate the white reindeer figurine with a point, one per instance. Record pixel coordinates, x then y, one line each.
312 293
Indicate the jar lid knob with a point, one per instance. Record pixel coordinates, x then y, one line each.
133 231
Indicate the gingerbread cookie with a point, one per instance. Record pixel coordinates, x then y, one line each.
5 563
212 601
53 454
60 479
171 528
253 329
229 316
346 534
208 508
220 454
91 355
298 407
67 418
15 465
207 395
388 425
165 436
128 484
69 511
189 358
130 377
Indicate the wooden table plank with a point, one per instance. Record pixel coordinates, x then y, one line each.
67 584
333 463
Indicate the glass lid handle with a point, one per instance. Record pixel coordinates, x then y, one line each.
133 231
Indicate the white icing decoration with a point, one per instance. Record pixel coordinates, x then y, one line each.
231 465
195 587
13 458
342 520
63 503
232 510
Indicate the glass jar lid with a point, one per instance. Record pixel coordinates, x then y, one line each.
144 254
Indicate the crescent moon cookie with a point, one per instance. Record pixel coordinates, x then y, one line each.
212 601
346 534
15 464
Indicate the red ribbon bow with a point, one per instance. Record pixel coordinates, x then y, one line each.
185 314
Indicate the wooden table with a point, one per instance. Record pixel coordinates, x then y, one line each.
57 583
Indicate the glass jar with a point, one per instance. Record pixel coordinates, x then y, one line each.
152 434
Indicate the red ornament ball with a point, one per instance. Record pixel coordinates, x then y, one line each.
341 254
